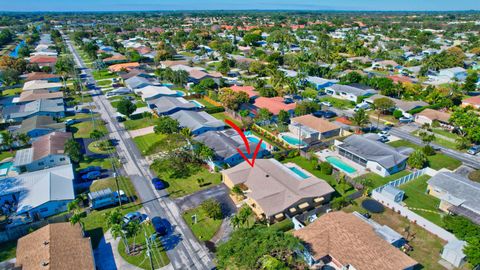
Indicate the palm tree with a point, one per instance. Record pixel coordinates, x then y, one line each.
113 217
117 231
8 140
132 229
23 138
360 119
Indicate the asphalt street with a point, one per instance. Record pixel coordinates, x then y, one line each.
187 253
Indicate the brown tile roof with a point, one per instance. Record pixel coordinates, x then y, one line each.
250 90
435 115
169 63
117 57
472 101
58 246
50 144
351 241
41 59
274 186
315 123
273 104
127 66
40 76
39 94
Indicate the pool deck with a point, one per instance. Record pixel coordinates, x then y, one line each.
323 154
289 134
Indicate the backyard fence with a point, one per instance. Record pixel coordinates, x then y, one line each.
11 234
404 179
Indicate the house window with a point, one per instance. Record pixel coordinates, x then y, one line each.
41 164
379 168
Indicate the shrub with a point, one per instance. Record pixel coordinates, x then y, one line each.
278 156
213 110
212 208
292 154
326 168
397 114
428 150
474 176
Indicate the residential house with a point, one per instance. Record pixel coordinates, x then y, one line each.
274 190
55 246
151 92
46 152
49 107
455 73
225 144
403 105
250 90
472 101
428 116
170 63
44 61
320 83
115 59
348 92
196 74
339 240
378 157
385 64
198 122
43 76
42 85
37 126
123 66
458 195
312 129
37 195
169 105
273 105
137 82
32 95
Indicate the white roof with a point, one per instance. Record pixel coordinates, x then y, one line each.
40 84
154 91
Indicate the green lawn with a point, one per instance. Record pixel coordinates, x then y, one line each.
416 197
437 161
102 162
159 256
445 133
104 83
338 103
80 116
83 129
103 74
205 228
155 143
12 92
178 187
95 147
205 103
8 250
378 180
6 154
139 123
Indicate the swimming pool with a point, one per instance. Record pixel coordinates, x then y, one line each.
14 53
292 140
198 104
256 140
180 93
5 168
299 172
339 164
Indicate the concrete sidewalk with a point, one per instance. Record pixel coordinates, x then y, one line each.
141 132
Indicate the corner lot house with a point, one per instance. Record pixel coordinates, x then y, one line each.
380 158
457 194
39 194
275 190
311 128
403 105
170 105
345 241
347 92
428 116
46 152
55 246
225 144
37 126
198 122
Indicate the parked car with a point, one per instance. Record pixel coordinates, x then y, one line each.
405 120
318 114
287 100
90 169
91 175
474 150
384 133
363 105
160 225
158 183
326 103
131 217
329 114
120 119
70 122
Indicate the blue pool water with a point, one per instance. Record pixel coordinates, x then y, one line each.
14 53
299 172
180 93
198 104
337 163
5 168
292 140
256 140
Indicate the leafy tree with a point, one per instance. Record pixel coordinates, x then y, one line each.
360 118
417 159
204 152
9 77
117 231
351 77
73 150
468 231
382 105
247 248
252 38
96 134
306 107
207 84
427 137
65 67
212 208
126 107
470 84
283 117
467 122
166 125
340 202
397 114
231 99
263 115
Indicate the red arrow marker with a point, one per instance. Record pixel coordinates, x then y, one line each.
245 141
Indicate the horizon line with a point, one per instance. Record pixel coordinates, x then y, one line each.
233 10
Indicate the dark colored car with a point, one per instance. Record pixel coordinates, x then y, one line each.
92 175
158 183
160 225
90 169
120 119
329 114
318 114
288 101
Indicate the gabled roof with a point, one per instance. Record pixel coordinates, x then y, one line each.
119 67
50 144
41 59
166 104
32 95
196 120
351 241
153 91
435 115
472 100
401 104
318 124
41 105
275 186
60 245
39 121
40 84
224 143
372 150
351 90
136 81
250 90
273 104
40 76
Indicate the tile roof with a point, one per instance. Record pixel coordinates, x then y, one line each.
32 95
435 115
50 144
58 245
40 84
120 67
318 124
40 76
351 241
250 90
274 104
166 104
275 186
472 100
40 59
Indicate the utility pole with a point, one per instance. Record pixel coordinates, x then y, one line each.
116 181
149 250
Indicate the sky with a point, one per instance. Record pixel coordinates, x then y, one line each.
140 5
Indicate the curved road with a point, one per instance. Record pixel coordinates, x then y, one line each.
186 252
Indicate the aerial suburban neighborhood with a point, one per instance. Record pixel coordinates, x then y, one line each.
209 139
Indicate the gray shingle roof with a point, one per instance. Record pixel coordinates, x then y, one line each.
136 81
372 150
196 120
41 105
461 191
351 90
224 143
166 104
39 121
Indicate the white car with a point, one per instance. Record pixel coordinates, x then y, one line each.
326 103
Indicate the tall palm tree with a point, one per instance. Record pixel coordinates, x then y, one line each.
8 140
360 119
23 138
132 229
117 231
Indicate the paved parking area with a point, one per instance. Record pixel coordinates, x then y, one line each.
219 193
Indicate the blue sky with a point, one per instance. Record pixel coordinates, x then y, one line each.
123 5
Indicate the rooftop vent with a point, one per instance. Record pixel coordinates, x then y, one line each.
45 242
45 263
267 175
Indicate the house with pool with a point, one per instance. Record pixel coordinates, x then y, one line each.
225 144
169 105
276 191
367 152
150 92
311 129
198 122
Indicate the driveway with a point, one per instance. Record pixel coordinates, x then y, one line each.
219 193
107 256
141 132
